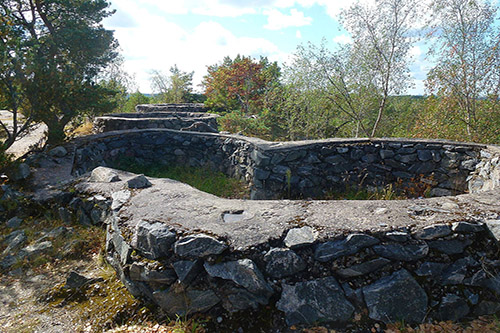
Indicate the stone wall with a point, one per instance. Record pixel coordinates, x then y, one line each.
192 121
486 175
182 107
441 272
309 169
447 270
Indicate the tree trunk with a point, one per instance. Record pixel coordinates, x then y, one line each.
379 116
55 131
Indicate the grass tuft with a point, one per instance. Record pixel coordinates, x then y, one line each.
204 178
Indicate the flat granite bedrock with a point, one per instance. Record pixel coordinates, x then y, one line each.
185 208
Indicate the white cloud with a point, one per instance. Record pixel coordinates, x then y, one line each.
276 20
342 39
415 51
298 34
155 43
218 9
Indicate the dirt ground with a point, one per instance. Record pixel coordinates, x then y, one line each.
21 310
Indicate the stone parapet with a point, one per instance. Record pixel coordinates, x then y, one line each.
307 169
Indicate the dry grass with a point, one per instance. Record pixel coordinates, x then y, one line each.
84 129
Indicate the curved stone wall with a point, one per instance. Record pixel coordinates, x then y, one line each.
347 262
188 252
442 272
308 169
171 107
190 121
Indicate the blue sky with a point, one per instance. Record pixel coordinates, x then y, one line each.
193 34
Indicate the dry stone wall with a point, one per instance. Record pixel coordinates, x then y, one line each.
171 107
445 271
442 272
192 121
301 169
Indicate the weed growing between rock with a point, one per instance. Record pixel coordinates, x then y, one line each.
419 187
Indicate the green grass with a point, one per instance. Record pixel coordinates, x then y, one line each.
356 193
204 178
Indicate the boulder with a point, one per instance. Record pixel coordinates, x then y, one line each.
320 300
432 269
337 248
14 222
58 151
153 240
119 199
298 237
363 268
198 246
103 175
283 262
432 232
76 280
243 272
187 270
396 297
183 303
396 251
139 181
452 308
467 227
14 242
237 299
494 227
141 273
449 246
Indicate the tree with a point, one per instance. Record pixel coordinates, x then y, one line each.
54 50
467 52
351 85
242 83
115 78
173 88
330 86
133 100
382 38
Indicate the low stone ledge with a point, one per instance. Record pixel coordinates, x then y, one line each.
192 121
171 107
367 264
311 169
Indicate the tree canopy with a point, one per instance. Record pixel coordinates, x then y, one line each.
176 87
52 53
241 83
466 77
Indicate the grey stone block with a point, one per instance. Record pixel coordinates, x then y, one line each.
320 300
387 302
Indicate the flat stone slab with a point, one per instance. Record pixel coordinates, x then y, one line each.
183 207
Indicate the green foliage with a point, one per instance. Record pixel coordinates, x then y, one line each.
466 78
52 52
173 88
115 78
238 122
133 100
6 160
204 179
241 84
